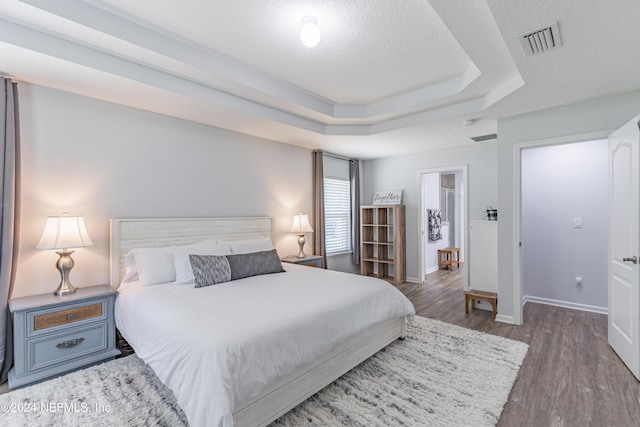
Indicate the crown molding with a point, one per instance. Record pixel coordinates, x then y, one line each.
295 106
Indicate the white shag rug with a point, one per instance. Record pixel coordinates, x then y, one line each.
440 375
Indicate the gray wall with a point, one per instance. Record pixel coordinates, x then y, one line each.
402 172
575 122
102 161
561 183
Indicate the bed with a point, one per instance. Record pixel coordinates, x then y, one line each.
245 352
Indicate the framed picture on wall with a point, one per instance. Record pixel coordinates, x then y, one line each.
387 197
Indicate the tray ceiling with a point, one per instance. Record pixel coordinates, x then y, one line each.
382 81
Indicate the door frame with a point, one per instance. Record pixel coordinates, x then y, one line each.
422 219
518 290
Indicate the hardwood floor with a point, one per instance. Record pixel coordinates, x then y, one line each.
570 376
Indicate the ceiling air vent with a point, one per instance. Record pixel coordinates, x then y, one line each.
541 40
485 137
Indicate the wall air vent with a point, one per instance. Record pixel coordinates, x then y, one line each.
540 40
485 137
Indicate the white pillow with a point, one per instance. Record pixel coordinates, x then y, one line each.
249 245
151 266
155 265
184 273
130 267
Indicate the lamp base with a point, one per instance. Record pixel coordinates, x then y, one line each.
65 289
301 242
65 264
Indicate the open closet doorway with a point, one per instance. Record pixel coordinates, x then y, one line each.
564 213
445 190
573 282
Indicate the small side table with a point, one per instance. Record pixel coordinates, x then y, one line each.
471 295
310 260
57 334
450 259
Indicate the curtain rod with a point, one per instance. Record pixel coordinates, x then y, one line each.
335 156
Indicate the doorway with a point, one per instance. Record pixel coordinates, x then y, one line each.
564 215
443 189
518 289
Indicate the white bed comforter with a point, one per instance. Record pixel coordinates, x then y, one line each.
217 346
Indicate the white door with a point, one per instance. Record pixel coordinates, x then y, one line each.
624 291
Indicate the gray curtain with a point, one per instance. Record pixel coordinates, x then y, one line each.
319 244
9 223
354 178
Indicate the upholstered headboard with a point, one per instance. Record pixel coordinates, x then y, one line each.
127 234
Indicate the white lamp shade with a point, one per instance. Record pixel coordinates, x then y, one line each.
310 33
301 224
63 232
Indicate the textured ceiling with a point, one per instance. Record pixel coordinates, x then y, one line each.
384 80
265 36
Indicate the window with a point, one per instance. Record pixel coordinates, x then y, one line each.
337 215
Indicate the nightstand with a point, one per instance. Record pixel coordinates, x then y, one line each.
56 334
310 260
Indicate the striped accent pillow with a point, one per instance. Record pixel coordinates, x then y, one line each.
213 269
210 269
254 264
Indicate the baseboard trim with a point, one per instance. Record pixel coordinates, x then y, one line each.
565 304
431 270
503 318
412 280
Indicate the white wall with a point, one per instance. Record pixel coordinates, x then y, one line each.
431 182
432 200
561 183
459 214
570 123
402 172
102 161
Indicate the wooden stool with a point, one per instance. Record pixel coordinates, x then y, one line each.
490 297
449 261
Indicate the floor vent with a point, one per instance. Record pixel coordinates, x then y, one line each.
485 137
541 40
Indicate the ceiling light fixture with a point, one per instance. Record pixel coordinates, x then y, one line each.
310 33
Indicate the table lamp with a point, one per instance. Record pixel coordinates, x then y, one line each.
301 225
64 232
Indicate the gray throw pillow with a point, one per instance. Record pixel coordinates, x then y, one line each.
254 264
210 269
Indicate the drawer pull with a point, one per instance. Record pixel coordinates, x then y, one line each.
71 343
71 316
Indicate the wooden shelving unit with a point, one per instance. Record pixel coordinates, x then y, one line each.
382 246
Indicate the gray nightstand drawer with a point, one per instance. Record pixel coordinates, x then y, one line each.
73 315
52 349
43 321
54 334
